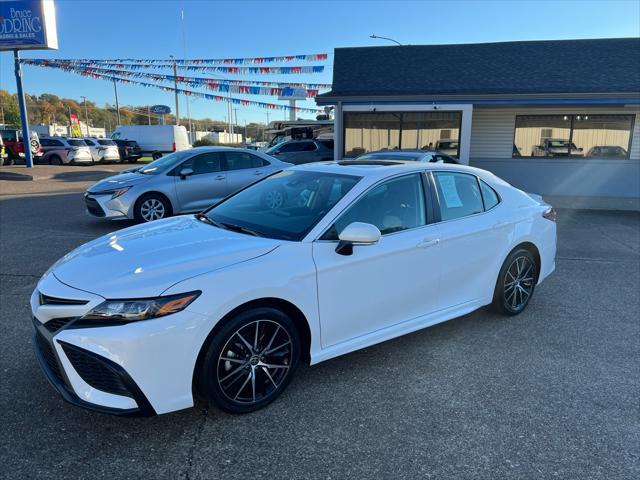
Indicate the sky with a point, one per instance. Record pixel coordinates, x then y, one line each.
222 29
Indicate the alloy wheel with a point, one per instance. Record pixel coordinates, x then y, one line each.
519 280
254 362
152 209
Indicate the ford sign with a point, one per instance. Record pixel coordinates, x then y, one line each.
27 25
160 109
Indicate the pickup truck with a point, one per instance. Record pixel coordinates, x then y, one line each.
14 147
555 147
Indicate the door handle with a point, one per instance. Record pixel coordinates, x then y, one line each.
428 242
220 177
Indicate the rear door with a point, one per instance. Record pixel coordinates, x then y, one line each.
243 169
207 184
472 239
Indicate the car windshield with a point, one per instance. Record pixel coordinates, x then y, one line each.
106 142
164 163
76 143
392 156
285 206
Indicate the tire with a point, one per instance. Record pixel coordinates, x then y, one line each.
132 160
55 160
8 161
242 372
274 199
156 155
151 207
516 283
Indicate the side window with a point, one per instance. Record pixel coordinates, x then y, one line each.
308 147
205 163
489 196
392 206
459 195
45 142
242 160
56 143
291 147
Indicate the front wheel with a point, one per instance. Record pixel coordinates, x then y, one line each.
55 160
250 361
516 283
151 207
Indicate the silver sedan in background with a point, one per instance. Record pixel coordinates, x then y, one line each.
182 182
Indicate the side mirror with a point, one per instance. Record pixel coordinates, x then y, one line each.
185 172
357 233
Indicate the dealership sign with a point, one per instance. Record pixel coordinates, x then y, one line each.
27 25
160 109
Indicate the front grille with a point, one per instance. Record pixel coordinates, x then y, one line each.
93 207
56 324
95 372
47 300
46 349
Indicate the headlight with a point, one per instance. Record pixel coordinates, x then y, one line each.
117 193
124 311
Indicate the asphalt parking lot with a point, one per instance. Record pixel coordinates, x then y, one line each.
552 393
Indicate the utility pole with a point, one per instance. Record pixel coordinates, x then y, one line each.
149 114
86 113
235 112
184 52
175 85
115 89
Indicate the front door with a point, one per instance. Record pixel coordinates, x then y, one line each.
207 184
380 285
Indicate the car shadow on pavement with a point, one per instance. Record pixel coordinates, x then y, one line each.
89 175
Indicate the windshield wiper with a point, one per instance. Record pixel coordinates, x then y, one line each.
204 218
238 228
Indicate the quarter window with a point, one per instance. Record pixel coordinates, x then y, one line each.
459 195
242 160
392 206
489 196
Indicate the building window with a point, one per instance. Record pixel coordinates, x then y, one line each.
594 136
372 131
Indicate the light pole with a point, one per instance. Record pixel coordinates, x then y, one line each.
86 113
115 89
385 38
175 85
235 112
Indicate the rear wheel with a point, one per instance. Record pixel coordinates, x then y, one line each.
250 361
55 160
152 207
156 155
516 283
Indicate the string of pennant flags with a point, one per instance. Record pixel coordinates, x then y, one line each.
206 96
314 57
204 68
287 90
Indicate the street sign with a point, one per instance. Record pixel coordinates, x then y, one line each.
160 109
28 25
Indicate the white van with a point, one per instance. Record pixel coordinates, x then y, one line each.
155 140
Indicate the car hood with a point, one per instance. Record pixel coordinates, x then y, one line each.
118 181
145 260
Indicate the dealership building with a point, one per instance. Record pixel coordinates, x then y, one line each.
558 118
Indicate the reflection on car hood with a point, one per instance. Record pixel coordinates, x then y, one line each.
118 181
145 260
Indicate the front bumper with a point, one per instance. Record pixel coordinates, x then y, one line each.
103 206
138 369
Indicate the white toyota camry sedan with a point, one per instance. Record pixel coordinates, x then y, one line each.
226 303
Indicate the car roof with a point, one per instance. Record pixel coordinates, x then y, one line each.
379 169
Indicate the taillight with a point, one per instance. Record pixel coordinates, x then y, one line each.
174 146
550 214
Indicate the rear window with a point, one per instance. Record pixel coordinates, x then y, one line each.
106 142
76 143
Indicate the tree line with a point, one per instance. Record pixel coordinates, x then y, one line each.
49 108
